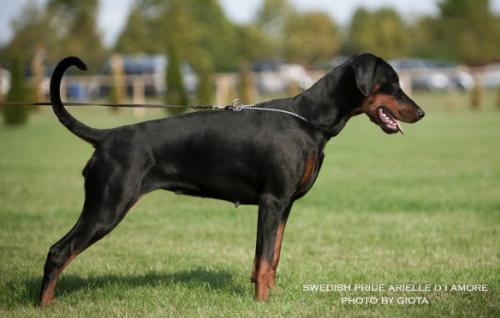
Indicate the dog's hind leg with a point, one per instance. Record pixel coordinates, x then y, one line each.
107 199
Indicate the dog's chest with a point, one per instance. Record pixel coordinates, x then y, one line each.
310 172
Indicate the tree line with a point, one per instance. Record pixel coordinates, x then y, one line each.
464 31
198 32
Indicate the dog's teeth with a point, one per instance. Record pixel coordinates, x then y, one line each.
399 128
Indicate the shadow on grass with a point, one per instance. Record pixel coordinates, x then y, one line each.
25 292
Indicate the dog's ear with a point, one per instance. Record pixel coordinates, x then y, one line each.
365 67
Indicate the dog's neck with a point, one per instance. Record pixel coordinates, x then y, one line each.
329 103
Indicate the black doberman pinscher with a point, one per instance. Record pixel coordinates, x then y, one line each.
258 157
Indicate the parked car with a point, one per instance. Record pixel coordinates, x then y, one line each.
155 66
4 82
274 76
489 76
434 75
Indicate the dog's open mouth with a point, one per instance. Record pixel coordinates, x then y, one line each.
387 122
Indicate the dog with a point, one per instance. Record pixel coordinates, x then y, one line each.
269 156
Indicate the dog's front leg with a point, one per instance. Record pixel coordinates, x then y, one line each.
277 250
277 245
271 210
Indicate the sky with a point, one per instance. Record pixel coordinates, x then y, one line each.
113 13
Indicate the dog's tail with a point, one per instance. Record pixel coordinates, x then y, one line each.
91 135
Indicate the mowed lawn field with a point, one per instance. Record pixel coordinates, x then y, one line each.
423 208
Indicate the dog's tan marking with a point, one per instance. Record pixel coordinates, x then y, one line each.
308 170
48 294
262 280
277 252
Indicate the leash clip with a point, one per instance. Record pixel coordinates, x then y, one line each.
235 105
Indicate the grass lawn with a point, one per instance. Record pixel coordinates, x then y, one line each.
423 208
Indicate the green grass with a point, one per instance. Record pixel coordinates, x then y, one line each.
423 208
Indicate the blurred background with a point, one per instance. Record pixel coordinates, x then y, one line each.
423 208
211 52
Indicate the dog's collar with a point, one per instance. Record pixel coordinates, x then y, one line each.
252 107
237 106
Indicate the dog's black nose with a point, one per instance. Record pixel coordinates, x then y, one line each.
420 113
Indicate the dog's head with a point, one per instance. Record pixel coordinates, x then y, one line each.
384 101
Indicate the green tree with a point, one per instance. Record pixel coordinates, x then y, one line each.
118 88
31 29
16 114
176 93
143 31
62 28
423 43
196 27
217 35
271 18
135 37
382 32
310 38
302 37
77 30
204 69
253 44
467 31
273 15
246 90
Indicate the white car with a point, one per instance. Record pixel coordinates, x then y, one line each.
276 77
4 82
434 75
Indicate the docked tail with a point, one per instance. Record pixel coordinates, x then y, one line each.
91 135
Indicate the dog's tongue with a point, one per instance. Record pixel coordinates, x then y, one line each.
400 129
